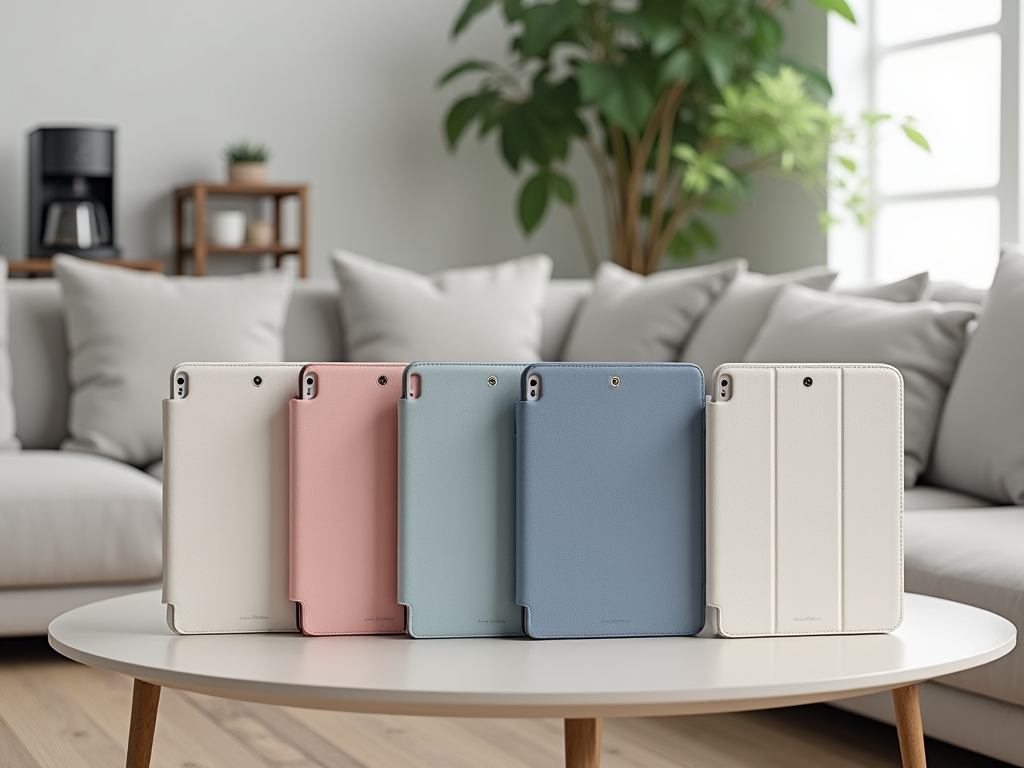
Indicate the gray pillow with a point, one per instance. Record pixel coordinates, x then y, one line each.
8 442
127 329
490 313
629 317
913 288
980 443
728 329
923 339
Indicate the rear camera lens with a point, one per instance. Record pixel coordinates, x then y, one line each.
382 380
257 380
808 381
181 380
309 381
725 383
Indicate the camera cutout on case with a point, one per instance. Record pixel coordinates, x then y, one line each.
614 381
533 387
257 381
382 380
310 383
415 386
724 388
180 387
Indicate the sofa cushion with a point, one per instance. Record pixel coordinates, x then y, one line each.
729 327
932 497
488 313
911 288
75 518
126 331
312 327
561 308
8 441
923 339
973 556
979 447
629 317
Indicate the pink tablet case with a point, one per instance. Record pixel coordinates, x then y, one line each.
344 501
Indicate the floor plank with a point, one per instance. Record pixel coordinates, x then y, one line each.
55 713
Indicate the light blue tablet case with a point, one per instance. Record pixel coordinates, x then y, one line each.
456 505
610 501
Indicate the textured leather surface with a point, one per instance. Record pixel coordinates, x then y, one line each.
344 501
805 500
610 501
226 499
456 504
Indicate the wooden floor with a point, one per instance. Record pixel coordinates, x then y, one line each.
55 713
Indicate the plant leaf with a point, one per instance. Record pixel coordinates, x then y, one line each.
545 23
472 65
717 52
681 65
462 113
562 188
915 136
848 164
619 93
839 6
473 9
681 247
665 39
533 201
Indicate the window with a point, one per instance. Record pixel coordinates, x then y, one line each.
954 66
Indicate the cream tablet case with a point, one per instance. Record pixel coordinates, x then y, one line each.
226 499
805 499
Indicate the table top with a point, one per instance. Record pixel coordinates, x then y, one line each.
241 188
513 677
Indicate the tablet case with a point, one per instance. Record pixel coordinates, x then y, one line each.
610 501
226 499
456 508
344 500
805 500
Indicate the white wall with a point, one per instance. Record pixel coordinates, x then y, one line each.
342 91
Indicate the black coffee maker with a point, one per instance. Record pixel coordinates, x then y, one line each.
71 193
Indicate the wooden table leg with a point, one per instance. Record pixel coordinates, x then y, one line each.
145 701
908 726
583 743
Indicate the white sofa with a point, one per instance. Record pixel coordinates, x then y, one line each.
75 528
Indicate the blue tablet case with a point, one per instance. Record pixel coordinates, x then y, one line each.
456 503
610 501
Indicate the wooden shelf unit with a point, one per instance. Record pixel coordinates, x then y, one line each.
200 249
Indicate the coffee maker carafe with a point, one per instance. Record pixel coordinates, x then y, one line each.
71 192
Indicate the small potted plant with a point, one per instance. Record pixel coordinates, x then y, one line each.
247 162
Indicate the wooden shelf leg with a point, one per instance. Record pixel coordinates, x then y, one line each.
908 726
583 743
145 701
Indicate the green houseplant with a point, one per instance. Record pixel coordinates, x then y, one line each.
675 102
247 162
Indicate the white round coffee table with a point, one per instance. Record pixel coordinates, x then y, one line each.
581 681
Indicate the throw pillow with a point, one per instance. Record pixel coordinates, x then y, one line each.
484 314
923 339
980 443
913 288
728 329
7 439
127 329
632 318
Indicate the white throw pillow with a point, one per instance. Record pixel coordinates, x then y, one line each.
728 329
632 318
482 314
923 339
127 329
980 443
913 288
7 424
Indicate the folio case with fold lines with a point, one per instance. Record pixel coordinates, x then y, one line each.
805 500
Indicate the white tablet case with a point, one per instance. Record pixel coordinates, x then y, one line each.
805 500
226 499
